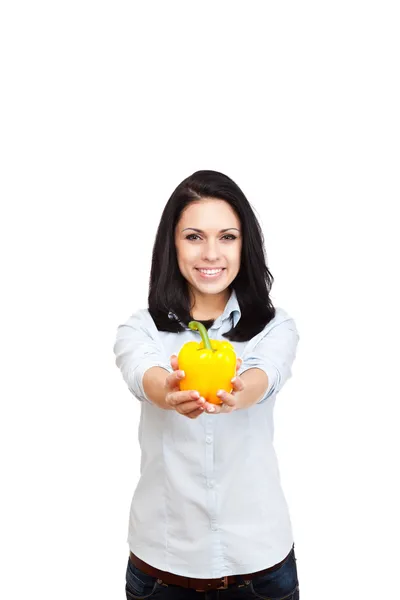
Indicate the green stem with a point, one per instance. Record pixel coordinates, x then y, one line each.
196 326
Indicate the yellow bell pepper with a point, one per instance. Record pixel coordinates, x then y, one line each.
209 365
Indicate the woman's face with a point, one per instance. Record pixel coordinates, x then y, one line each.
208 236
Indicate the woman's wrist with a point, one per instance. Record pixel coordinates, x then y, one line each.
154 386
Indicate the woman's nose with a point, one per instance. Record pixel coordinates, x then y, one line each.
211 251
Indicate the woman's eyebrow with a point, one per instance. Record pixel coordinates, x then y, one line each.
200 231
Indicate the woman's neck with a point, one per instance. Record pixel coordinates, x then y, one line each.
209 306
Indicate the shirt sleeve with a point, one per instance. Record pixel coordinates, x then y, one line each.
135 351
274 353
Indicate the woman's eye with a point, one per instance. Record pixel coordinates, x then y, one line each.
227 236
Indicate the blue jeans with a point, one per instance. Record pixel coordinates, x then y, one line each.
281 584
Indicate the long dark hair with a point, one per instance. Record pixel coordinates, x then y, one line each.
169 300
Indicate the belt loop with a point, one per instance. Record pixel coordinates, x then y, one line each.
224 586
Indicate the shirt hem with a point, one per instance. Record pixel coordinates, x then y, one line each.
203 571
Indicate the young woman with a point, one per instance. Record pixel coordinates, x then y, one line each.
208 512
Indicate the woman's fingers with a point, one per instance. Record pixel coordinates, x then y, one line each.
186 408
172 380
185 402
195 413
174 362
191 405
238 364
237 384
209 407
177 399
229 401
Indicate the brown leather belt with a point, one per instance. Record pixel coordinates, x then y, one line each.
200 585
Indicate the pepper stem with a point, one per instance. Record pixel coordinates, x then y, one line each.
196 326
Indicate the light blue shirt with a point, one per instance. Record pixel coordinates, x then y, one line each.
209 502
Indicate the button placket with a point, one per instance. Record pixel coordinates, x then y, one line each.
210 471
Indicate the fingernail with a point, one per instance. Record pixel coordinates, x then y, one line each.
196 395
181 373
211 409
220 393
202 400
232 380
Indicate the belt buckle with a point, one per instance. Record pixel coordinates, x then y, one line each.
225 584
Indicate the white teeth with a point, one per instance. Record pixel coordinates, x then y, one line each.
210 272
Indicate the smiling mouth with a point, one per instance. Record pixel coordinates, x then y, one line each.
210 273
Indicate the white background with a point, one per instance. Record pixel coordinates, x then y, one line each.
106 107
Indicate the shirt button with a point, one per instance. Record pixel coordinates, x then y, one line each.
214 527
209 439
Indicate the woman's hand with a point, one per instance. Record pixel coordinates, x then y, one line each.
187 403
229 400
199 406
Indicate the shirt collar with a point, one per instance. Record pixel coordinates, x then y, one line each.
231 308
